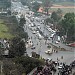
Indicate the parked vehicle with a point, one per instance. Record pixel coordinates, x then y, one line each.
58 38
52 35
56 42
34 32
48 52
33 47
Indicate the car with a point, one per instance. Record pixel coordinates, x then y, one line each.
48 52
56 42
34 32
60 67
49 38
37 31
58 38
52 35
38 27
33 47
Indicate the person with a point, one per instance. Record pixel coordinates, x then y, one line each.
45 42
31 37
57 61
61 57
56 51
58 73
34 37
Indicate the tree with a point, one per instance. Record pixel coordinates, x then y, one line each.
59 11
22 21
28 63
49 20
10 68
35 6
56 17
17 47
9 12
24 35
68 24
47 4
24 2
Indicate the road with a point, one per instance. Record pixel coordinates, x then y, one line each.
68 56
46 32
42 47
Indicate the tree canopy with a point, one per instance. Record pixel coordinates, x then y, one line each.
56 16
28 63
68 24
17 47
35 6
47 4
22 21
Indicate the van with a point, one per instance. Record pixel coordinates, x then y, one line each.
58 38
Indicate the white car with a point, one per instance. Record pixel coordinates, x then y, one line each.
48 52
56 42
34 32
60 66
52 35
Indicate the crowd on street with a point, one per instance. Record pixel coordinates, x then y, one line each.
54 68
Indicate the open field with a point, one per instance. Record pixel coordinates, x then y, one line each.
4 31
64 6
65 3
64 10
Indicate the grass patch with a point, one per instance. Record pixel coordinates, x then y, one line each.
4 31
64 10
65 3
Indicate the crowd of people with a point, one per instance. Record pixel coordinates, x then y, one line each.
67 69
50 68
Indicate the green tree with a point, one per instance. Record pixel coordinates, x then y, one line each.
47 4
22 21
35 6
24 2
9 12
24 35
59 11
17 47
49 20
28 63
68 24
10 68
56 17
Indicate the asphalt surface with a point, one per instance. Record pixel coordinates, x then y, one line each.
41 47
68 56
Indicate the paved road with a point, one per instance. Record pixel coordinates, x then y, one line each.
67 55
46 32
41 47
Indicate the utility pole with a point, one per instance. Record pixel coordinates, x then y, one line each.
1 67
